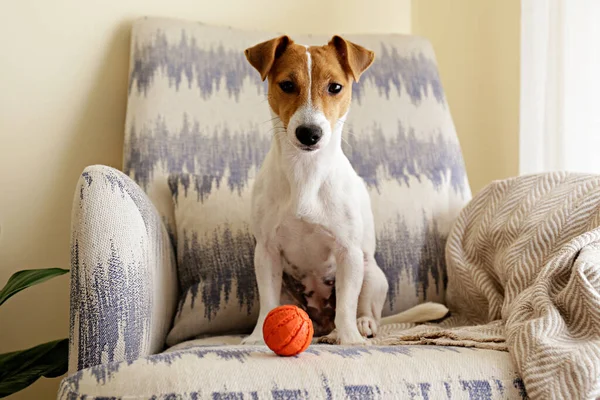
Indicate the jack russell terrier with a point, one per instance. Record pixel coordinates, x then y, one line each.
311 212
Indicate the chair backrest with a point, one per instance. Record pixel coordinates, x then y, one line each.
196 105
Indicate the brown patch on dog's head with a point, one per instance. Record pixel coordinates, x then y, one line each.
309 86
337 63
263 55
354 58
285 64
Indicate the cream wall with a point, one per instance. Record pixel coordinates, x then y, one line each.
63 79
477 43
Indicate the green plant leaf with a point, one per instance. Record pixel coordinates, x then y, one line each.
20 369
29 277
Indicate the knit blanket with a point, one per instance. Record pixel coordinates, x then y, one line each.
523 263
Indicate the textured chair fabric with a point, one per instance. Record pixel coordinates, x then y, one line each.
123 278
198 127
196 371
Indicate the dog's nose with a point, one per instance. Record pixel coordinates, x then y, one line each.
309 135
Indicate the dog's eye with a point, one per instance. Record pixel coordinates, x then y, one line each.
287 86
334 88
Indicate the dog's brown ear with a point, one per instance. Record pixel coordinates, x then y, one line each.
354 58
263 55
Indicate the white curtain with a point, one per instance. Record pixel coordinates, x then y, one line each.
560 86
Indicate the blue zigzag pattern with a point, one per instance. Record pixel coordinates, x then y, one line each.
212 154
111 294
207 68
115 305
210 264
414 252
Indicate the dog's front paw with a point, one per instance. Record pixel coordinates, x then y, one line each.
352 338
329 339
344 339
367 326
253 340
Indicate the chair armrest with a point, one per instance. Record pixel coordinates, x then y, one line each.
123 277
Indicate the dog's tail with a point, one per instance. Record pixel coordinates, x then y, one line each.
421 313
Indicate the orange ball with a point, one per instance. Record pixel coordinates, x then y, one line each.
288 330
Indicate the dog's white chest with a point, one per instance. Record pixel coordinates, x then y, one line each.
308 270
307 246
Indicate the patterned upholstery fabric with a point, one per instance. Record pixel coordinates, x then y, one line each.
196 371
123 278
197 109
215 256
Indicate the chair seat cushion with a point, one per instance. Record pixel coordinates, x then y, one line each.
219 369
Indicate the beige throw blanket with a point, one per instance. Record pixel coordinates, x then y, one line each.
523 265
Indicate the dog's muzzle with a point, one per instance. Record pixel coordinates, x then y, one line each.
309 135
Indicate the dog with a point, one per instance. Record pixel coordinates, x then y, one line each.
311 212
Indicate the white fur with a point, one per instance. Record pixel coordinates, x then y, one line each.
419 313
314 208
309 68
